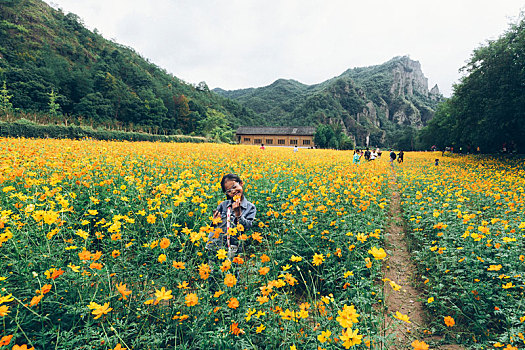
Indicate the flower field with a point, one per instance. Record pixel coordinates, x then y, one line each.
466 220
103 247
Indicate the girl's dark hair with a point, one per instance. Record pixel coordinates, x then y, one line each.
229 177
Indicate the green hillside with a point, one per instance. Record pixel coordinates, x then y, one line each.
46 54
385 103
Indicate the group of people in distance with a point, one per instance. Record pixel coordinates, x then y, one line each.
376 154
367 154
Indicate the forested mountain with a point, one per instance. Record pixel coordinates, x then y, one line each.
47 56
386 103
487 108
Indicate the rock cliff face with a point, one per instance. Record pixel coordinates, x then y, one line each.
371 102
408 78
408 101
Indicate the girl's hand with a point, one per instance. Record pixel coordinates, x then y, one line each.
216 214
236 206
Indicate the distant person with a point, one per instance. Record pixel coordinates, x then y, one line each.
400 156
436 162
262 146
367 154
378 151
295 149
392 157
357 157
373 155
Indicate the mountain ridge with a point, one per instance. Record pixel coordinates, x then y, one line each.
378 103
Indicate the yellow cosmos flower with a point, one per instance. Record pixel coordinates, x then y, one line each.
163 294
351 337
324 336
318 259
378 254
221 254
230 280
402 317
191 299
99 310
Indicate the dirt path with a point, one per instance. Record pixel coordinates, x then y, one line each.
399 268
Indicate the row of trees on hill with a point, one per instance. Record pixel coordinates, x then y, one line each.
487 109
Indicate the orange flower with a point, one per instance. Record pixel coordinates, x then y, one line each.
6 339
151 219
449 321
116 237
162 258
233 303
4 310
368 263
204 271
235 330
84 255
179 265
226 264
264 270
22 347
265 258
419 345
115 253
230 280
122 290
57 273
164 243
263 299
257 237
36 300
238 260
95 265
96 256
45 288
191 299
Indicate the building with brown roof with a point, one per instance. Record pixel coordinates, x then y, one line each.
300 136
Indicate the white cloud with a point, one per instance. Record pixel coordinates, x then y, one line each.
248 43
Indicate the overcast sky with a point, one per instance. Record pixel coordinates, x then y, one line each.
236 44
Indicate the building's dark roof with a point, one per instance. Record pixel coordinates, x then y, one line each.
279 130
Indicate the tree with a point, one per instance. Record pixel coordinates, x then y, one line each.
332 136
487 108
182 112
54 107
215 126
5 100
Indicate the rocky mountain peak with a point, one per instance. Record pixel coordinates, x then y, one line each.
408 78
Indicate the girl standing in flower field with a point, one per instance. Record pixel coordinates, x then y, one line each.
233 215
